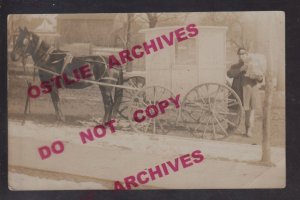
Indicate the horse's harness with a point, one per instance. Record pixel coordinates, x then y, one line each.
67 60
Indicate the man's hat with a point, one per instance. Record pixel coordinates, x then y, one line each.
241 51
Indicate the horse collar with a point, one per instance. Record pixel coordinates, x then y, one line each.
37 46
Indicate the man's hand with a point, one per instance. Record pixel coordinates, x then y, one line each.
244 68
256 77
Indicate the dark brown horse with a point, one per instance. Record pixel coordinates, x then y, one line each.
57 61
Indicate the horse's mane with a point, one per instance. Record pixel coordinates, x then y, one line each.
45 43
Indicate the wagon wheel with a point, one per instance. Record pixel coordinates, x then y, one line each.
160 124
211 108
135 82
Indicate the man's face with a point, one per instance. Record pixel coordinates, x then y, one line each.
243 55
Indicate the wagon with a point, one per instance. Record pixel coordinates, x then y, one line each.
195 69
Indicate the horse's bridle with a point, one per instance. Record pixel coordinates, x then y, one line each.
23 52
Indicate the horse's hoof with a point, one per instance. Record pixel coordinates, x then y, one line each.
60 120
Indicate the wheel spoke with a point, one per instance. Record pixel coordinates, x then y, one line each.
124 108
200 96
191 114
154 126
202 106
229 122
214 130
197 109
164 91
226 113
129 92
161 126
220 125
197 127
154 91
125 100
227 94
137 107
216 93
133 84
147 126
206 126
142 101
233 104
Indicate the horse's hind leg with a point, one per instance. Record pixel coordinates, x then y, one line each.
56 104
118 94
107 101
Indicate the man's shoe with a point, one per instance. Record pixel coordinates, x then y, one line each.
230 130
249 132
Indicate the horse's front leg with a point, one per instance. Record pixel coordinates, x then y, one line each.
117 101
57 106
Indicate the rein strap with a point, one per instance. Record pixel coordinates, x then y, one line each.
37 46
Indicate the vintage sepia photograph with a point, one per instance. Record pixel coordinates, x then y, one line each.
135 101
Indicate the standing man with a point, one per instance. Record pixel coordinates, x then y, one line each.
246 74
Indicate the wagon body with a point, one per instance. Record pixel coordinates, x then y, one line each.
195 69
188 63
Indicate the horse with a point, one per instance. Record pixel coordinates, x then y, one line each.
58 61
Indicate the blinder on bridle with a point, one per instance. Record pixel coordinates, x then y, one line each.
23 42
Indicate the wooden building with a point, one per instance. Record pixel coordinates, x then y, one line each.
88 28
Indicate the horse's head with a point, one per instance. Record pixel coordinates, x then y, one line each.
22 45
